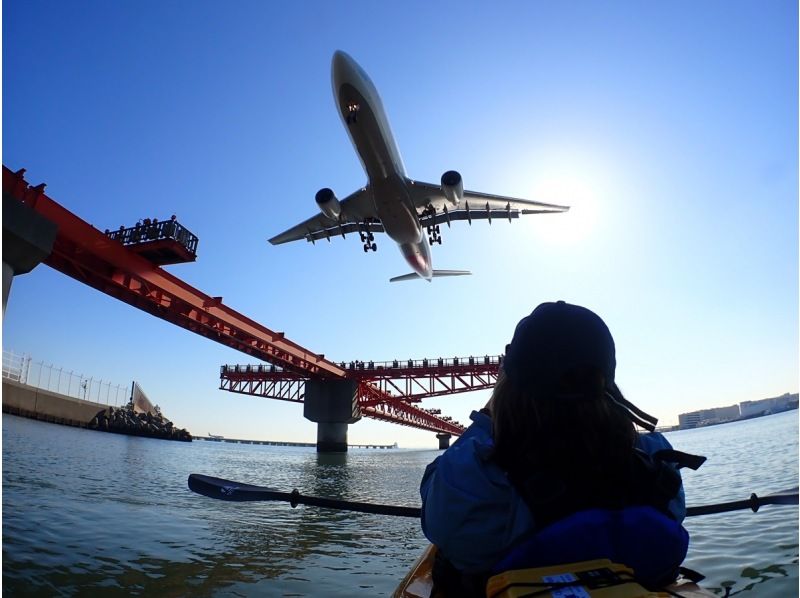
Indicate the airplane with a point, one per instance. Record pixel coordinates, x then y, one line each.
391 202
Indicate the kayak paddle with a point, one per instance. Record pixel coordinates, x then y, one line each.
222 489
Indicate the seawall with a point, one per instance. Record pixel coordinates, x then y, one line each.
36 403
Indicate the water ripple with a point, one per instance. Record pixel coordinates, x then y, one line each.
87 514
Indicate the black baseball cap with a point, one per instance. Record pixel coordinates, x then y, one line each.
557 338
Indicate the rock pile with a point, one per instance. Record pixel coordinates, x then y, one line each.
124 420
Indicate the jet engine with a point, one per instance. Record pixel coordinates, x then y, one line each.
452 187
328 204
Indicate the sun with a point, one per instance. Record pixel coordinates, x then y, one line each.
577 225
570 179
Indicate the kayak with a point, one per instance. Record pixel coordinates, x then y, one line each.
418 583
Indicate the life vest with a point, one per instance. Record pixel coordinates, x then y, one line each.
635 528
641 537
588 579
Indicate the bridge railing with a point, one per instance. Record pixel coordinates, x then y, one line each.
22 369
423 363
440 362
246 369
152 231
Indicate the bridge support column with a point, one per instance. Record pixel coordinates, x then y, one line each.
332 404
331 438
444 440
8 276
27 240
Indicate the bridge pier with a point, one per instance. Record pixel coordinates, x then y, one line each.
331 437
27 241
332 404
444 440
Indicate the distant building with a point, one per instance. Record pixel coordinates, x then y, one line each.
705 417
690 420
744 410
767 406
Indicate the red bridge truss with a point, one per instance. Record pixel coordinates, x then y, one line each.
125 265
385 389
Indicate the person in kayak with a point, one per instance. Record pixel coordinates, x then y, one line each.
552 470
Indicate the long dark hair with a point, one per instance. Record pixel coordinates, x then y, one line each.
575 433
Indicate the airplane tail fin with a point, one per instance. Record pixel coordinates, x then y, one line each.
436 274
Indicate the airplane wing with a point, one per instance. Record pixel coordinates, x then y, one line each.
358 214
473 206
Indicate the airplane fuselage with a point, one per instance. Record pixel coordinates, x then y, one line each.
362 113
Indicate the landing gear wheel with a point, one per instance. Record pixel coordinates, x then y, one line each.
366 248
374 247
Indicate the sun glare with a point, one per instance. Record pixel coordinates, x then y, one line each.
576 225
567 180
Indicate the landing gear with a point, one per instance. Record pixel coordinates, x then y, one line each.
432 229
368 239
352 113
433 235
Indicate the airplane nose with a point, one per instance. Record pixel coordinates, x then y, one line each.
340 69
345 68
341 62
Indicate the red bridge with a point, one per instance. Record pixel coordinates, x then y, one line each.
126 265
382 386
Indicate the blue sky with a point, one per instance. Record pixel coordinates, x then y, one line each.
670 128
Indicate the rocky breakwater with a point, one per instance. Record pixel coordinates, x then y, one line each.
125 420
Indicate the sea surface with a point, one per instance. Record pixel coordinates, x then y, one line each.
94 514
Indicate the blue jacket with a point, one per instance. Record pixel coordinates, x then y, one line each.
470 510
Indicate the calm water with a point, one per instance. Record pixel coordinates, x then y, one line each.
93 514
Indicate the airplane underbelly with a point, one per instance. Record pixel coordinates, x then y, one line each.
399 222
371 139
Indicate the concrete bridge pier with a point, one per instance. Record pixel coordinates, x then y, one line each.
27 240
332 404
444 440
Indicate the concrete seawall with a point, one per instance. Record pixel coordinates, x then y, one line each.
36 403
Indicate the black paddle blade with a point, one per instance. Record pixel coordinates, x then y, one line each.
229 490
236 491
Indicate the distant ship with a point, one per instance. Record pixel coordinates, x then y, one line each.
215 437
